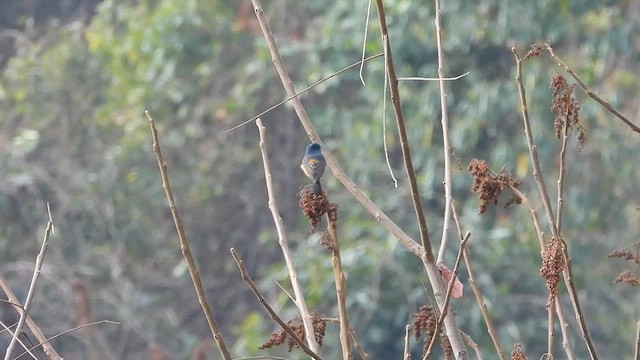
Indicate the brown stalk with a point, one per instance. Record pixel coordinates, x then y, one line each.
447 297
446 141
369 205
636 356
533 150
356 344
407 343
340 281
245 276
32 286
567 272
563 168
428 259
476 291
591 93
184 244
282 240
46 346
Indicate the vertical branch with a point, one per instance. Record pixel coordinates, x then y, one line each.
407 343
282 240
245 276
447 297
46 346
550 331
446 141
564 328
184 245
636 356
563 167
533 150
369 205
428 259
32 287
476 291
573 295
339 277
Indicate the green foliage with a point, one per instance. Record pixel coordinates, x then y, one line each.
73 91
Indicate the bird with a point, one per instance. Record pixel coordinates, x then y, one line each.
313 165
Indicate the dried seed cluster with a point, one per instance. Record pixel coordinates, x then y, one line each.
517 353
489 186
566 108
314 206
553 263
424 321
280 337
628 277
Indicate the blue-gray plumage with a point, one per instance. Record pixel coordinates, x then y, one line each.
313 165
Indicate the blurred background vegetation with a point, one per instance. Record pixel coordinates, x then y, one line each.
76 75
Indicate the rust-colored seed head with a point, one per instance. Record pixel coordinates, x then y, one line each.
632 256
566 108
490 187
313 206
517 353
553 263
536 50
280 337
447 350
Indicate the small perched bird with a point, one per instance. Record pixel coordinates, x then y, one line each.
313 165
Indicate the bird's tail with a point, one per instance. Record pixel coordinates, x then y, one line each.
317 188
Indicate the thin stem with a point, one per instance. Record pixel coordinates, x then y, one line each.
591 93
407 343
428 259
446 141
245 276
563 168
533 150
550 332
637 352
282 240
341 291
46 346
447 297
184 244
573 295
564 329
361 62
472 344
369 205
476 290
356 344
32 286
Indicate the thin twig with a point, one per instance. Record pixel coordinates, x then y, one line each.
340 175
184 244
24 346
564 329
245 276
564 325
447 297
446 141
68 331
32 287
418 78
591 93
356 344
46 346
472 344
428 259
533 150
295 95
550 332
563 168
300 302
407 343
364 41
573 295
493 334
341 291
637 352
384 115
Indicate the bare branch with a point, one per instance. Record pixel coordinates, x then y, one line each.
184 244
245 276
300 302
